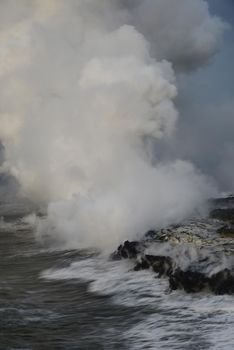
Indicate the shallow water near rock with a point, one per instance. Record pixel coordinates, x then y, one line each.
83 300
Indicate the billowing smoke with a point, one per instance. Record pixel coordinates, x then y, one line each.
87 85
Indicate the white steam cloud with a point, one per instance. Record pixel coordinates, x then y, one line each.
85 85
181 31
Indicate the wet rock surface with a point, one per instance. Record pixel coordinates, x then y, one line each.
196 256
226 231
127 250
226 214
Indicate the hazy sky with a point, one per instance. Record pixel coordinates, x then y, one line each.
206 102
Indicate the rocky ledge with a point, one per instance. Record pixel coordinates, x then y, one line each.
195 256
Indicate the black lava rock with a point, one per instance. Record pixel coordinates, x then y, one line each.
162 265
150 235
226 214
128 250
222 282
142 265
226 231
190 281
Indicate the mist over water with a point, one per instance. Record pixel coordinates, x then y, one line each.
88 87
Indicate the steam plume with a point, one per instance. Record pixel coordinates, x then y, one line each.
86 85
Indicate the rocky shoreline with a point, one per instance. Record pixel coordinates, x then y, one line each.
195 256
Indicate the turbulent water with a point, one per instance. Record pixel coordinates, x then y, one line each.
53 299
88 122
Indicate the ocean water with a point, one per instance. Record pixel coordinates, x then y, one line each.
54 299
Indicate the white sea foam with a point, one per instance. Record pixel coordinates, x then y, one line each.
172 320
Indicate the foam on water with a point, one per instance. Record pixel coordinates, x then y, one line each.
171 320
192 332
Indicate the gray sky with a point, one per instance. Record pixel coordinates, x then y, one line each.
205 133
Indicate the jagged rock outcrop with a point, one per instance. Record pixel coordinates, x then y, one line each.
194 252
128 250
190 280
226 214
